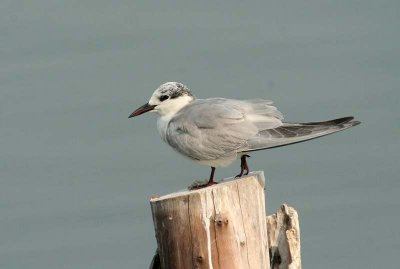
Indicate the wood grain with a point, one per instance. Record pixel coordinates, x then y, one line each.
218 227
284 238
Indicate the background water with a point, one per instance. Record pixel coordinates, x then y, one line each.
76 174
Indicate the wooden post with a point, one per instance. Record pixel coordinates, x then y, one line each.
218 227
284 238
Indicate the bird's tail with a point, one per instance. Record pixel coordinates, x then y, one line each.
290 133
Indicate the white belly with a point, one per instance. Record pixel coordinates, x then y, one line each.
221 162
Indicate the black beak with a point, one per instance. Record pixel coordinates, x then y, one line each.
143 109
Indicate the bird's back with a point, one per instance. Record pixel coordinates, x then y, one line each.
208 129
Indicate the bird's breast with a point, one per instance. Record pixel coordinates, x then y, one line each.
162 125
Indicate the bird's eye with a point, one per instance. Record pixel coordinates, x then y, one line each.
163 97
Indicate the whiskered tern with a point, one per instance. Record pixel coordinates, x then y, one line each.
217 131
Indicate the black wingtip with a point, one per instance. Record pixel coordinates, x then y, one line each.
341 120
346 122
355 123
338 121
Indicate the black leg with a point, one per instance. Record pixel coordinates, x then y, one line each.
243 166
246 166
209 183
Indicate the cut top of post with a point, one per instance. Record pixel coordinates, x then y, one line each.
259 175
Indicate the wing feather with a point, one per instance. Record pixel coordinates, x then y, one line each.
290 133
209 129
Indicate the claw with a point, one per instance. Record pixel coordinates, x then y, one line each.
209 183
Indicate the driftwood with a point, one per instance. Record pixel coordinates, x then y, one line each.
218 227
284 239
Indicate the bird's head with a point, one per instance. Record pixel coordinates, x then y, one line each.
169 98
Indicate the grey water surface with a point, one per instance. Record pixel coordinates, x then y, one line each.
76 175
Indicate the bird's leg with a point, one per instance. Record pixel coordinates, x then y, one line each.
243 166
211 180
209 183
246 166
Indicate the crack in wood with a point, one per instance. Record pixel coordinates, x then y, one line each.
244 229
215 231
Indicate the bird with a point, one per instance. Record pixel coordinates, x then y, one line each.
218 131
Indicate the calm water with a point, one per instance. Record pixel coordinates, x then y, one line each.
76 175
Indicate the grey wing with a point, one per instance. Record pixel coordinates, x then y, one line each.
290 133
216 128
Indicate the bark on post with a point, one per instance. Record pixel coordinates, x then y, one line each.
218 227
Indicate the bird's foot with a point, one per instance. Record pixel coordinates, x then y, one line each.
196 185
240 175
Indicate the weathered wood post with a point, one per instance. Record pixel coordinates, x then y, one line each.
284 238
218 227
